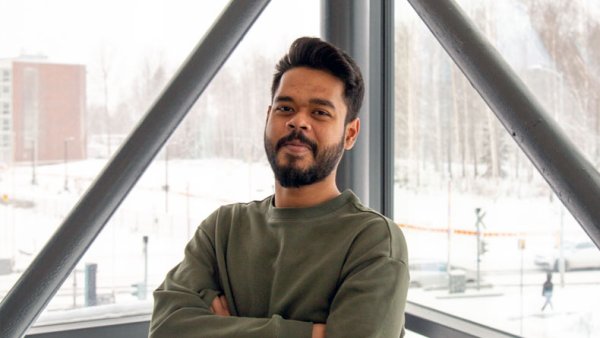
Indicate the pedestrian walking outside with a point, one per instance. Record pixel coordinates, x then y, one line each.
547 289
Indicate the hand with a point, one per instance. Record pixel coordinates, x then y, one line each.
318 330
219 306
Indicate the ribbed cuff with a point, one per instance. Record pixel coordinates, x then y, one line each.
208 295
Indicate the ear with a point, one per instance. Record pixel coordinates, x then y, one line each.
351 131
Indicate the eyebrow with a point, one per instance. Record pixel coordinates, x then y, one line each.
317 101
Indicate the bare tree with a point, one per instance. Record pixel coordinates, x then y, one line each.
105 66
151 78
404 119
258 72
572 39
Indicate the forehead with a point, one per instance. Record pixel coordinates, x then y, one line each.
301 82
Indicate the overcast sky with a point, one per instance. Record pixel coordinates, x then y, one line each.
127 31
70 30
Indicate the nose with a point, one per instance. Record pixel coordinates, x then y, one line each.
298 121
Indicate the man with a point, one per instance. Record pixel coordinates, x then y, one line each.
309 261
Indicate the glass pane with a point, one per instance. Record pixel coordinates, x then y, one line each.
215 157
483 227
71 88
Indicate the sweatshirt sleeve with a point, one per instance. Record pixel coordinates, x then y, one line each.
371 299
182 302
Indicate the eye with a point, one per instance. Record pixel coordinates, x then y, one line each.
322 113
284 109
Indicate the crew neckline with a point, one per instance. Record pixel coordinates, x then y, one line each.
318 210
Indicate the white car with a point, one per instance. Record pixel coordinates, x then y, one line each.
432 274
579 255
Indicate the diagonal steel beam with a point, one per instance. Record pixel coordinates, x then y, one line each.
431 322
574 179
52 265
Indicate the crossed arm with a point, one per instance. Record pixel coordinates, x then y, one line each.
219 307
191 303
369 302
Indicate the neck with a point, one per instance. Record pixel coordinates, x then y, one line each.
306 196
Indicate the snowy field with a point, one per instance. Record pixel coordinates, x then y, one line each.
510 297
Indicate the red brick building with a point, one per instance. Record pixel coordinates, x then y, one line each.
42 109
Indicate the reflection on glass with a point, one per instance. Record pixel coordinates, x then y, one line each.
483 228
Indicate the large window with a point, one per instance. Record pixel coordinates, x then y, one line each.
484 229
5 75
215 157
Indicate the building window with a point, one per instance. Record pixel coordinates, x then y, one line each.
5 75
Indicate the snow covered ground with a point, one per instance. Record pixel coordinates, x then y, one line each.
29 214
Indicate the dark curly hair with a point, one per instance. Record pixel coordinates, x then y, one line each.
321 55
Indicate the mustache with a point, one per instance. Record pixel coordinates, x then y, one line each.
297 135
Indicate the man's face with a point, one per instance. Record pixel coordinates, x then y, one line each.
306 134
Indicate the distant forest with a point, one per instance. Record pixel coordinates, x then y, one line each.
443 128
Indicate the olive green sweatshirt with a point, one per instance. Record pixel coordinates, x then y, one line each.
283 269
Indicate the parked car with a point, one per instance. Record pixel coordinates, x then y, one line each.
431 273
577 255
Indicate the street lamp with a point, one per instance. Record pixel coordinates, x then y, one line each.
558 106
67 140
166 186
33 177
557 90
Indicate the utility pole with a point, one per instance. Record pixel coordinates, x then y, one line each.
187 208
521 249
145 287
481 249
166 186
67 140
33 178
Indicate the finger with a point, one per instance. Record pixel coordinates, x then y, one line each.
319 331
223 301
217 307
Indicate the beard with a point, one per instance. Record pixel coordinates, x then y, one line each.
289 175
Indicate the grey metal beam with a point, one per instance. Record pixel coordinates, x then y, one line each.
122 327
365 29
345 23
433 323
381 106
420 319
46 273
574 179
